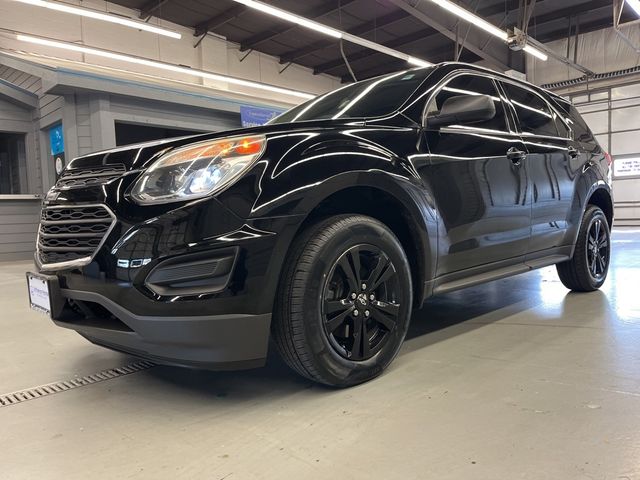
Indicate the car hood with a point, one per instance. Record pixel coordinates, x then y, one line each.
139 156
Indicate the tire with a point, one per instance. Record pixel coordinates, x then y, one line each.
316 317
588 268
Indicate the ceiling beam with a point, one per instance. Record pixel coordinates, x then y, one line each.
318 12
366 53
539 20
219 20
361 29
584 28
476 41
563 13
150 7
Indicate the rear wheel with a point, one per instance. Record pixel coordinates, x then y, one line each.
588 268
344 301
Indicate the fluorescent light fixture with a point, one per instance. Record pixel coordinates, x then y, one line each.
536 53
106 17
291 17
486 26
471 18
161 65
386 50
332 32
635 4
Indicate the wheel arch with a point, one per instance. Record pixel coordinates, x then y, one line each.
400 215
601 198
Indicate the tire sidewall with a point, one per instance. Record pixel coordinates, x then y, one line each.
329 363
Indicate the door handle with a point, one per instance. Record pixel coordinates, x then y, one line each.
573 153
516 156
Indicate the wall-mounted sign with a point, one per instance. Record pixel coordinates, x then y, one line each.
56 142
626 167
56 139
256 116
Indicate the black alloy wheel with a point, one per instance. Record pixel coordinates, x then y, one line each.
361 302
598 249
344 301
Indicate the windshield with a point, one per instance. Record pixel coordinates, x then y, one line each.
370 98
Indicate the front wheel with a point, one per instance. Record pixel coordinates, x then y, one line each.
588 268
344 301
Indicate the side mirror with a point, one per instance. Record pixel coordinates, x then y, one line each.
463 109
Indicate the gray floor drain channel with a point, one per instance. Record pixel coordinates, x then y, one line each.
14 398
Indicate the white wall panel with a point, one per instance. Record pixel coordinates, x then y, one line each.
603 140
625 119
625 143
598 122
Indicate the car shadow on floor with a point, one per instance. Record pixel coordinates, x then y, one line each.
467 309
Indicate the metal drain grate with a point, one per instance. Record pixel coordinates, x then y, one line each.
20 396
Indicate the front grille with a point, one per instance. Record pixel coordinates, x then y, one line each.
72 232
84 177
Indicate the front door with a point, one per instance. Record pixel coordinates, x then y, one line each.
478 176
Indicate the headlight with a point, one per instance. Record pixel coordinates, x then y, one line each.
197 170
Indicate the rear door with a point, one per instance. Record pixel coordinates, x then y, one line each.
479 183
553 162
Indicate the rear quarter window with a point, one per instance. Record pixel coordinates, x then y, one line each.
581 132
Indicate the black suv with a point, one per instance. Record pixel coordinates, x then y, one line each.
325 228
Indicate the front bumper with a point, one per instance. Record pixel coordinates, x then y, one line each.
204 304
216 342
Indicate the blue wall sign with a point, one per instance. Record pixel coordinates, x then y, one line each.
256 116
56 139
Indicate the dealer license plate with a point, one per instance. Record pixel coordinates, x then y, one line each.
39 296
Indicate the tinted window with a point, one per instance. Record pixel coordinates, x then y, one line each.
471 85
369 98
534 114
581 132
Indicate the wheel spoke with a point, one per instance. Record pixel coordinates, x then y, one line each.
364 340
356 352
382 272
382 262
604 243
333 306
593 266
352 271
354 255
386 314
338 320
601 262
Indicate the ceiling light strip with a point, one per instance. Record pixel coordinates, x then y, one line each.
332 32
105 17
161 65
484 25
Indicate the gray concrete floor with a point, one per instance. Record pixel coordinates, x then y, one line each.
514 379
